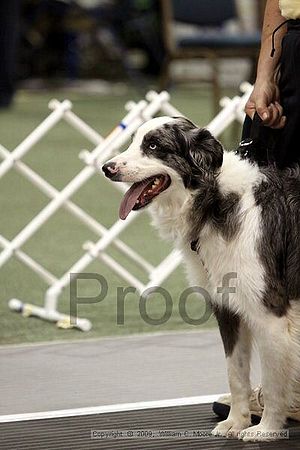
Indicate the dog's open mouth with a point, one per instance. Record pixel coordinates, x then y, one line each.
142 193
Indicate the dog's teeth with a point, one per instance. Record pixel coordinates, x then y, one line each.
156 181
137 202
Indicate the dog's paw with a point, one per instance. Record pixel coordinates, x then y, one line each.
258 433
230 427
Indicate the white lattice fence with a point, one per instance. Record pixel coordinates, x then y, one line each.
138 113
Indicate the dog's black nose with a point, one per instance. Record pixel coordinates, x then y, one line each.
110 169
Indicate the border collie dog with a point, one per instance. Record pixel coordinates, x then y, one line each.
228 216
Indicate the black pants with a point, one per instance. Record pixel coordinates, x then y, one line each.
286 142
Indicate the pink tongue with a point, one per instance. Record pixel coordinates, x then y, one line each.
131 197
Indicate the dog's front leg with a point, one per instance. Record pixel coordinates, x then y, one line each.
236 338
276 356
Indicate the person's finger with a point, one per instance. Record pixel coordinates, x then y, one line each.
250 109
263 111
280 108
278 120
281 123
268 120
274 116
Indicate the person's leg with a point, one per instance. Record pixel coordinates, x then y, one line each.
287 150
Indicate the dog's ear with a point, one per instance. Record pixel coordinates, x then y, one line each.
204 151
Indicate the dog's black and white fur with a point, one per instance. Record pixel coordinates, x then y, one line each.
242 219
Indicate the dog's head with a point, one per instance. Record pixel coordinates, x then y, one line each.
164 152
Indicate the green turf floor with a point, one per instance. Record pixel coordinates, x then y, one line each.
58 244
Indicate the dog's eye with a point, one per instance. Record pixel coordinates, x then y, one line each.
152 146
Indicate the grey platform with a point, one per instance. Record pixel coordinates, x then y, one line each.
109 371
75 432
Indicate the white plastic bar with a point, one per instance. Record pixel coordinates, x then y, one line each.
116 139
69 190
246 87
232 109
169 110
54 316
166 107
154 106
238 113
136 257
80 265
230 112
225 117
34 137
78 123
130 105
48 277
117 268
84 217
119 135
46 213
164 269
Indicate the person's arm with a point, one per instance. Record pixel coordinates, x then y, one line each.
265 97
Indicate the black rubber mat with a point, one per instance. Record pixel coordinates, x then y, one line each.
75 432
222 411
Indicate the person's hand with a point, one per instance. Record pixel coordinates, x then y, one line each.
265 101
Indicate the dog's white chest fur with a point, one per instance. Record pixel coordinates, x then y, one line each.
237 258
